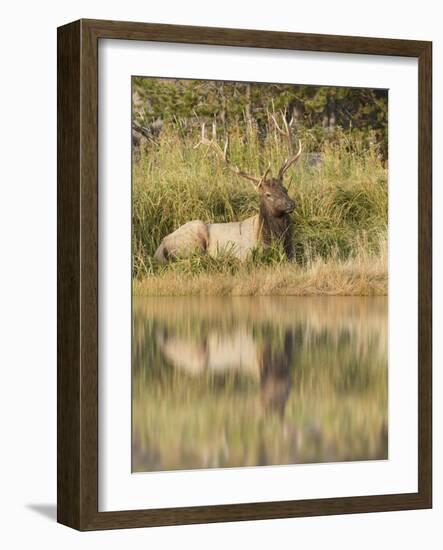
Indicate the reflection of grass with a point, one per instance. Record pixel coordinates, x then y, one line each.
339 226
363 318
336 410
194 423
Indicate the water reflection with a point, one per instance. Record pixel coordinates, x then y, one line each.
224 382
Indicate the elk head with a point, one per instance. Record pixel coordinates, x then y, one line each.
273 193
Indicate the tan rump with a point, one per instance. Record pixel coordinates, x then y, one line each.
186 240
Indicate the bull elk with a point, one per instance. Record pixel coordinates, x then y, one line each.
271 225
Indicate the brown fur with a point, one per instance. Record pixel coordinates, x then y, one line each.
276 229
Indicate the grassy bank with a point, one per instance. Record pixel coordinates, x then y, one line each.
339 226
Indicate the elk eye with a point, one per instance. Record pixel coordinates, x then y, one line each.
268 194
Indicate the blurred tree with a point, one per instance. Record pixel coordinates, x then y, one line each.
321 109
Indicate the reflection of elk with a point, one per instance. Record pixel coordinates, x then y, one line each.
271 224
274 376
221 352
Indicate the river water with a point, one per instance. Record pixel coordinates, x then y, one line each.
223 382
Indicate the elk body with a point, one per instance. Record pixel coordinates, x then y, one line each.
271 225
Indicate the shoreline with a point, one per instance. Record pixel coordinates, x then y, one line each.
349 278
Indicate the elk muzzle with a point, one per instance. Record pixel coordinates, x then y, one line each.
291 206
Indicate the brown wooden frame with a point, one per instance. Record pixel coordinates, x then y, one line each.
77 319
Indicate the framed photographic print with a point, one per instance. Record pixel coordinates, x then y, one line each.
244 275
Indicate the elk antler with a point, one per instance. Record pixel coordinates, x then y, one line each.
223 154
294 156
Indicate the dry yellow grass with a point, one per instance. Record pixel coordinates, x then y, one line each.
362 275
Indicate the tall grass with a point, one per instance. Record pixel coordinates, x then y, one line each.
339 226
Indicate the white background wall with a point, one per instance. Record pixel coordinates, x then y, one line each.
28 274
